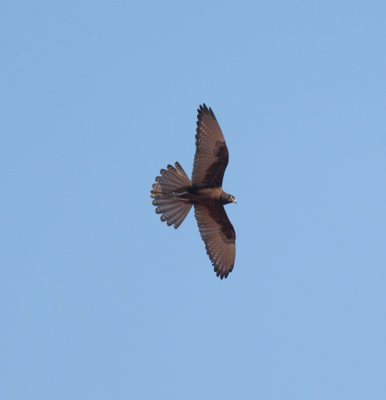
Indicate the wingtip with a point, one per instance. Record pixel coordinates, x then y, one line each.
221 274
204 108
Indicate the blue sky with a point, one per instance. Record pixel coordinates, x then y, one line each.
98 298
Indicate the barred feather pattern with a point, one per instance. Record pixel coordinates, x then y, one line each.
212 155
169 185
219 237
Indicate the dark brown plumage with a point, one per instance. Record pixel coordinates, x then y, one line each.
174 194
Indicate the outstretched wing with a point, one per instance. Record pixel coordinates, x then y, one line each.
211 156
219 236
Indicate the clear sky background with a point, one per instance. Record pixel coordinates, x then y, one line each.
98 298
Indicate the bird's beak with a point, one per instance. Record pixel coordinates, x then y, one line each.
234 201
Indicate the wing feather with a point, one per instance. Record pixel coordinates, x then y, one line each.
218 235
212 155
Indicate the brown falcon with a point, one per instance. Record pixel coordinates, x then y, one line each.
174 194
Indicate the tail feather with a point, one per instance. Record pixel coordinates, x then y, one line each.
173 209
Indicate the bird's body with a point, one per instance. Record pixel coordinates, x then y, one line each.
203 195
174 193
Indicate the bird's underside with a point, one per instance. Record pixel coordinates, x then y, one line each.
174 193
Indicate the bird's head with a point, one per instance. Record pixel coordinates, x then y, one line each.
233 199
227 198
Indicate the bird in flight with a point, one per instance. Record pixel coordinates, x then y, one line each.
174 193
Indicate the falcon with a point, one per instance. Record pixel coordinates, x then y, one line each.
174 193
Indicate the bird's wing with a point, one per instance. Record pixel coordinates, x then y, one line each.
211 156
219 236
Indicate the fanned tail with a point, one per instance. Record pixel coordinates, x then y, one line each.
172 183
